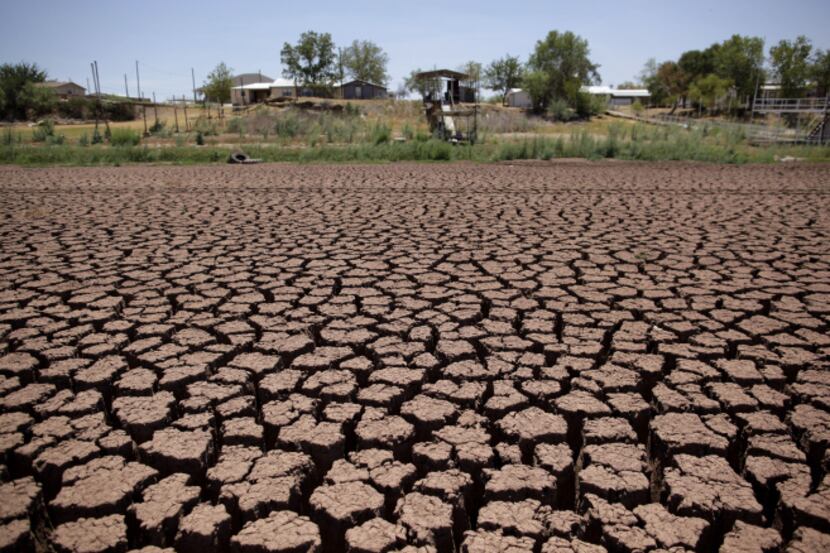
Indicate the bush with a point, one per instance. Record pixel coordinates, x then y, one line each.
119 111
43 131
157 127
559 110
124 137
381 133
75 108
84 140
200 139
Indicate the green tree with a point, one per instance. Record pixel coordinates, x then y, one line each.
36 100
415 85
790 61
474 70
628 85
666 82
820 72
366 61
312 61
741 59
709 91
503 74
217 86
13 78
560 67
697 63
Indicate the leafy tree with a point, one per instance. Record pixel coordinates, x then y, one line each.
217 86
310 62
36 101
666 82
560 66
741 59
366 61
415 85
13 77
503 74
820 72
697 63
474 70
791 66
710 90
628 85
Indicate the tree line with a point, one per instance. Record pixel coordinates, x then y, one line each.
729 74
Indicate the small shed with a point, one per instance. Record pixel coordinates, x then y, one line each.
362 90
64 89
518 98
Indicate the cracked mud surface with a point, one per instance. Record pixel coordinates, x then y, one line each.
575 357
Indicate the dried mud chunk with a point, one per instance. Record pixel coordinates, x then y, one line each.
52 461
628 539
19 498
685 433
519 482
432 456
321 358
615 472
532 425
255 499
747 538
134 382
813 428
562 545
482 541
105 486
524 518
465 394
143 415
280 532
324 441
392 432
18 364
428 413
374 536
16 536
808 509
669 530
256 363
607 429
582 404
100 374
206 528
157 516
338 507
279 384
28 397
234 464
453 487
277 463
173 450
807 540
427 520
92 535
242 431
707 487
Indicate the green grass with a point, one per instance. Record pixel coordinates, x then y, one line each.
626 142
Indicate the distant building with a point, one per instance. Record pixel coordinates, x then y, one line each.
518 98
253 93
362 90
250 78
619 96
64 89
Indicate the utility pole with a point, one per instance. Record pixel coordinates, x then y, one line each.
155 109
137 80
193 78
126 88
186 123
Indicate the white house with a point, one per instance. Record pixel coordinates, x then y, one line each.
518 98
619 96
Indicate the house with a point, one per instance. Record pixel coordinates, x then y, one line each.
518 98
64 89
250 78
253 93
362 90
619 96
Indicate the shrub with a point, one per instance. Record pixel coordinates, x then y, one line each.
157 127
84 140
124 137
559 110
43 131
380 134
200 139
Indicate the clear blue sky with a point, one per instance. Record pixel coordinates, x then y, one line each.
170 37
